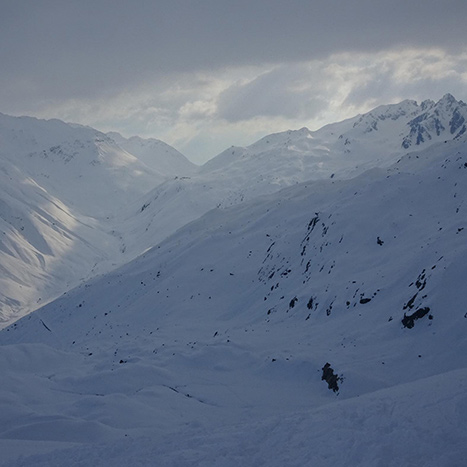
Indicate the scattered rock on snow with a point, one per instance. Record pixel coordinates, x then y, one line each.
409 321
331 378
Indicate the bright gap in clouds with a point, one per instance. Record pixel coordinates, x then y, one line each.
201 114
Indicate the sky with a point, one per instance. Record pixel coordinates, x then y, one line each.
203 75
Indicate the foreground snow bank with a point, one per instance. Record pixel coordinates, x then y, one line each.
423 423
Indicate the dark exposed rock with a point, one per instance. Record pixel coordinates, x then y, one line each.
409 304
456 122
331 378
309 305
409 321
313 222
420 283
292 302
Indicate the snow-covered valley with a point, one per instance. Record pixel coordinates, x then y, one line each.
210 348
61 186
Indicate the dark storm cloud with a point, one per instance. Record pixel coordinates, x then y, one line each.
74 49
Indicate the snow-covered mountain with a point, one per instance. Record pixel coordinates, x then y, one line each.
45 247
339 151
156 154
81 166
347 148
117 197
211 348
60 187
117 215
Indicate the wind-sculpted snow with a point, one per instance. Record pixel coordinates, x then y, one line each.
389 427
209 348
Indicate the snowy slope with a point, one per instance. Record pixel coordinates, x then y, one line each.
45 247
347 148
82 167
104 183
60 186
339 151
209 348
156 154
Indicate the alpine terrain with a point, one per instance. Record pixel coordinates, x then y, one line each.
60 187
300 301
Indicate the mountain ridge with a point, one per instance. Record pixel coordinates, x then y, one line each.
61 187
156 154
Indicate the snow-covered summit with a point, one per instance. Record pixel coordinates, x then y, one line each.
417 124
156 154
444 119
349 147
79 165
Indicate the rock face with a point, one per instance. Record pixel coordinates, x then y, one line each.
445 118
409 321
330 378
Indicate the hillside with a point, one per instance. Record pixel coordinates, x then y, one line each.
122 196
156 154
61 186
209 349
81 166
337 151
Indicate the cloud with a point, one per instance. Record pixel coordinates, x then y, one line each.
218 72
285 91
203 113
413 73
84 50
346 84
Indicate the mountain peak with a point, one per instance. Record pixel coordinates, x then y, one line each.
448 103
445 119
155 154
447 99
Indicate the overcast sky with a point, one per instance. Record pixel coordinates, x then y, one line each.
203 75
